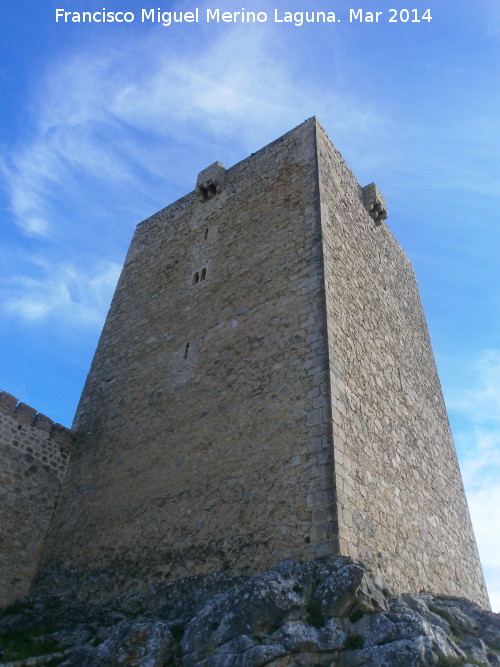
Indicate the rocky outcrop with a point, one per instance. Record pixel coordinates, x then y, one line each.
323 613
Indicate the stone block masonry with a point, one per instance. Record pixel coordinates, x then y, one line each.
204 438
264 387
34 454
401 504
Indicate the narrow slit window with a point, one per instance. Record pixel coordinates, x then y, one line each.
206 233
203 274
186 350
196 278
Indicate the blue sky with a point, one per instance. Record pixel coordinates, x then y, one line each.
103 124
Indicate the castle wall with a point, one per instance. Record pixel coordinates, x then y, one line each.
401 504
204 436
34 453
264 387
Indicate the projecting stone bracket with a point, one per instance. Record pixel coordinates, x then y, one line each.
210 181
374 203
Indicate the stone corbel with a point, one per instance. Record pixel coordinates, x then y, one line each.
374 203
210 181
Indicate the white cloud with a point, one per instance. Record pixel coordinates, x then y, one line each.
484 505
482 403
492 575
63 291
478 441
89 107
98 121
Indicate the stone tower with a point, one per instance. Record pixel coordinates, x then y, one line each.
264 387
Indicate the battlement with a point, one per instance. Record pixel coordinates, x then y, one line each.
28 416
34 455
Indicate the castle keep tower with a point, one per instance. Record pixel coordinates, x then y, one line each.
264 387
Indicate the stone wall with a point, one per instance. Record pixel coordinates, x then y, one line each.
204 426
401 504
264 388
34 453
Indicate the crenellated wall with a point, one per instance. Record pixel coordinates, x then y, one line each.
34 454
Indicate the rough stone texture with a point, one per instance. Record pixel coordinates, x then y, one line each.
329 612
401 503
374 203
210 181
264 387
203 432
34 453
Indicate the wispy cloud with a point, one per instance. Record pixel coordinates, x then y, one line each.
98 119
482 402
61 291
90 105
484 505
478 440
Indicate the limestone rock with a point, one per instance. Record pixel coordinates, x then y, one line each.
140 642
323 612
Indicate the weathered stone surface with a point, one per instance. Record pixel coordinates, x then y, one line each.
142 642
401 507
299 636
210 181
257 606
275 618
34 454
374 203
376 629
204 432
345 586
264 388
